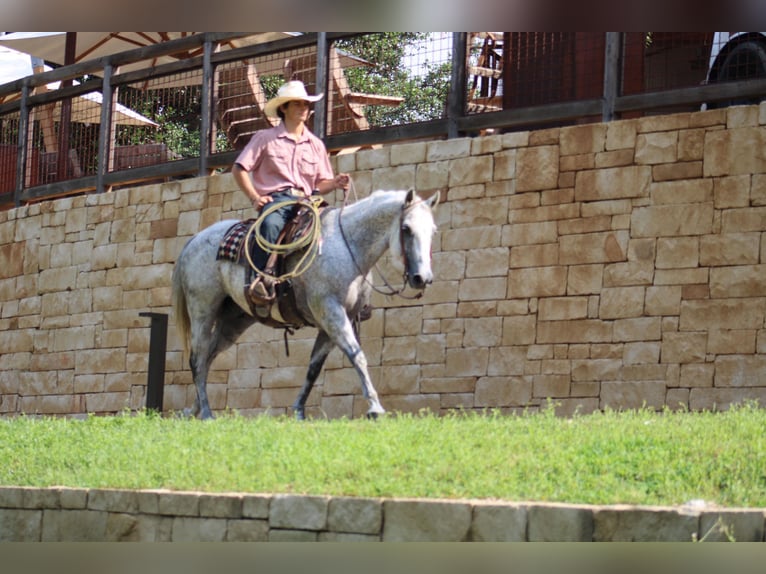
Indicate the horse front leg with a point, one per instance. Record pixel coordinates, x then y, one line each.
322 347
343 336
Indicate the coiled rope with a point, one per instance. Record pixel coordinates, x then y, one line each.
307 241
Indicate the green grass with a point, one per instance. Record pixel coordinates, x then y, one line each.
638 457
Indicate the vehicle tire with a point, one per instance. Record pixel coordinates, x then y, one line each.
747 60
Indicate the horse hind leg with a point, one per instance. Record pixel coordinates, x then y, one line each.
322 347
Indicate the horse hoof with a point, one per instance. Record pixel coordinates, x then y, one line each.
300 415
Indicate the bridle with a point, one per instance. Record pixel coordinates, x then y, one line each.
391 290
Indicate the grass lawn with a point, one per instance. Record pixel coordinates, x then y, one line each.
638 457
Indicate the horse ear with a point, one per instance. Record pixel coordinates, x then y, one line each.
433 201
410 196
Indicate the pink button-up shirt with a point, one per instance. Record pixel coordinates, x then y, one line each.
276 161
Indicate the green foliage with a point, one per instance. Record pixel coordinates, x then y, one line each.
424 95
638 457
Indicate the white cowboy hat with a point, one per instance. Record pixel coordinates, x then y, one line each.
293 90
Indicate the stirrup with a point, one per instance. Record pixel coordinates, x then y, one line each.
261 291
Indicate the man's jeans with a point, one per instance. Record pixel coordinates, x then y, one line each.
272 226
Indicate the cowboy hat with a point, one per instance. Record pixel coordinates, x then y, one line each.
293 90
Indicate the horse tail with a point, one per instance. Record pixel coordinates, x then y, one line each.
181 312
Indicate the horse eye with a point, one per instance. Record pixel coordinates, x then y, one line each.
406 229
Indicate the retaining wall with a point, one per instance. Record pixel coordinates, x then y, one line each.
70 514
603 265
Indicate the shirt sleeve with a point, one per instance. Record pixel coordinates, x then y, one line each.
250 155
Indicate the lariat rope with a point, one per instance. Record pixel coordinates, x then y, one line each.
308 240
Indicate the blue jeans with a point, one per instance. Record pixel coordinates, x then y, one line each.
272 226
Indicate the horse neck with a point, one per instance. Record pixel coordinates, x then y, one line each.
368 225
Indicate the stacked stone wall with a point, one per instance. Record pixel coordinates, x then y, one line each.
602 265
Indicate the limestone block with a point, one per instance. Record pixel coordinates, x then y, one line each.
544 255
399 379
298 512
613 183
593 248
663 300
178 503
758 189
530 233
515 139
682 191
729 342
556 523
467 362
730 249
738 281
739 370
255 505
672 220
482 289
735 151
704 315
691 144
717 399
584 279
562 308
499 523
641 524
504 391
545 213
621 302
504 165
595 369
537 282
483 332
355 515
684 347
677 252
448 149
641 353
537 168
621 135
400 177
432 175
480 212
576 331
697 375
632 394
550 386
469 170
286 535
487 262
425 521
405 153
732 191
220 505
743 220
579 162
583 139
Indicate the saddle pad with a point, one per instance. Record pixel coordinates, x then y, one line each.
233 241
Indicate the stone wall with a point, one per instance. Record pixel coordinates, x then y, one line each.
602 265
78 514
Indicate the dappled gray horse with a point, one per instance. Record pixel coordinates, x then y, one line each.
211 310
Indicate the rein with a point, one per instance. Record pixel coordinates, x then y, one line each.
391 290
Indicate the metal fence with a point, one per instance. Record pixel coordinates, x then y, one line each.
87 127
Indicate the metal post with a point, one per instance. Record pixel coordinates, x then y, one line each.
320 108
22 157
155 382
456 97
206 102
105 129
611 74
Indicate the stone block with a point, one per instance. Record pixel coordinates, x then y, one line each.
469 170
490 262
537 168
355 515
178 503
499 523
113 500
642 524
20 525
672 220
731 526
562 308
558 523
738 281
632 394
74 526
448 149
684 347
537 282
192 529
734 151
220 505
587 248
576 331
425 521
613 183
298 512
677 252
621 302
704 315
247 531
493 392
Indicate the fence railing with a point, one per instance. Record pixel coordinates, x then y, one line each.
101 128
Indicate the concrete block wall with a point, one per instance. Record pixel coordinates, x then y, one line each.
602 265
59 514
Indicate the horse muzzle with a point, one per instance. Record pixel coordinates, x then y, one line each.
420 281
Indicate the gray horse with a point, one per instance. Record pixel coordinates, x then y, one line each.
211 310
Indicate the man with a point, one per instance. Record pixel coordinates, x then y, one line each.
283 163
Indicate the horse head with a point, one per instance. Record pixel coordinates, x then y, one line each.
416 230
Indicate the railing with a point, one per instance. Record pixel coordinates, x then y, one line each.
50 146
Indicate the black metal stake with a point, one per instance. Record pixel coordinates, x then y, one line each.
155 382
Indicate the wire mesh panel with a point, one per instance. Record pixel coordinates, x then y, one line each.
550 67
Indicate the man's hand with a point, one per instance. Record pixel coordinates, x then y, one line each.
261 200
